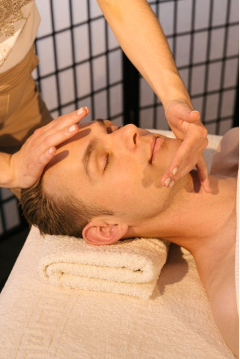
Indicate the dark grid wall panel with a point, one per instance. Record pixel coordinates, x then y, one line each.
10 216
203 37
80 60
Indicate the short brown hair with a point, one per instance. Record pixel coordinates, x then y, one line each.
59 215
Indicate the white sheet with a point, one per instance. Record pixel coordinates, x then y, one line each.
41 321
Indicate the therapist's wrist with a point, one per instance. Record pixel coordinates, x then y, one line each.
172 89
183 101
7 177
15 169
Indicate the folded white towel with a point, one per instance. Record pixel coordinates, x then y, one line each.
130 267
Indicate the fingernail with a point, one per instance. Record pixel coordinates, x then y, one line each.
195 111
174 171
167 181
80 111
171 184
50 150
72 128
86 108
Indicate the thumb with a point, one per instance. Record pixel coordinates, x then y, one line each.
193 116
183 111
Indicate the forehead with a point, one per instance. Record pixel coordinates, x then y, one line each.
84 130
69 153
100 121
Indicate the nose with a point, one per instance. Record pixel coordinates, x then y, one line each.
129 135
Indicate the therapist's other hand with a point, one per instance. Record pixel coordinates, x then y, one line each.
186 126
28 163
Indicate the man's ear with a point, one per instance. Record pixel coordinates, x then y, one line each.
98 232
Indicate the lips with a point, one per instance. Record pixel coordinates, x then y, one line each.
155 146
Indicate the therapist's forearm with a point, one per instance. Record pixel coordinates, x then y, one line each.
6 172
142 39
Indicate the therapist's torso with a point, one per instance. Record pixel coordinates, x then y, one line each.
19 22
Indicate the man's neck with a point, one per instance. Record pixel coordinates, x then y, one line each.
194 217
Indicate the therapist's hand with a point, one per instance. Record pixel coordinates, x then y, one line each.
28 164
187 126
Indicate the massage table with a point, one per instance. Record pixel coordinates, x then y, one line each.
42 321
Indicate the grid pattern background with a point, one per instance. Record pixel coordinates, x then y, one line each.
83 61
203 37
81 64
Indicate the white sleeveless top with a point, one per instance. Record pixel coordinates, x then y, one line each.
19 22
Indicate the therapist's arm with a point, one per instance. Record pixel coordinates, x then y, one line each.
142 39
24 168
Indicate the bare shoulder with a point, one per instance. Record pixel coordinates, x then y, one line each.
217 272
222 296
226 158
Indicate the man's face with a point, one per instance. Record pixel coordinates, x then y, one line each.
118 169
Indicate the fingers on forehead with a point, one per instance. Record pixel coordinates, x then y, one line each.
106 122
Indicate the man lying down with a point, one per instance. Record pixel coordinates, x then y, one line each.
104 184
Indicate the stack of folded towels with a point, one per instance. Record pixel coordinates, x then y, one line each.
129 267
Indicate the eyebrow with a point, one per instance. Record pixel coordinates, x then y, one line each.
87 154
91 147
101 122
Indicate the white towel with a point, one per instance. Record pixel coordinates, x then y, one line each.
130 267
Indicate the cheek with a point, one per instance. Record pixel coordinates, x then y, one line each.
120 186
125 184
131 197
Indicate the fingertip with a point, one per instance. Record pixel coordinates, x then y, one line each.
195 114
45 157
166 180
82 111
206 187
163 179
72 130
51 151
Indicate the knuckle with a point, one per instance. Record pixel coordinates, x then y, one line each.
188 158
47 141
206 142
204 131
40 162
55 122
37 132
28 140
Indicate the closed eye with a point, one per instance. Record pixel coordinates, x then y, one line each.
107 162
112 129
109 130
